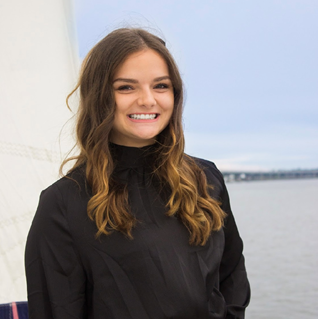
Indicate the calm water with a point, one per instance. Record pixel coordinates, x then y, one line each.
278 222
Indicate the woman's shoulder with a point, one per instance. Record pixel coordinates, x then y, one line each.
60 212
214 176
209 168
69 186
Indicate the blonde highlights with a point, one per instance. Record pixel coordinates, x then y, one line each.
109 207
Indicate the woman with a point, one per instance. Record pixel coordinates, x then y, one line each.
137 229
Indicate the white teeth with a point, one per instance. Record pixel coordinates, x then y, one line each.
143 116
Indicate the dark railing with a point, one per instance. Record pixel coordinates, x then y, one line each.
14 310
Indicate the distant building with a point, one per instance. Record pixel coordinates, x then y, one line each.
258 176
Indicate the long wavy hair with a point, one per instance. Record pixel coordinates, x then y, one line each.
177 172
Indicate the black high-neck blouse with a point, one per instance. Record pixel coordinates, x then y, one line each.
157 275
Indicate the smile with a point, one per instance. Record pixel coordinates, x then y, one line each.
143 116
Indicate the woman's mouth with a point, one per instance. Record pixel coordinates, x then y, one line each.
145 116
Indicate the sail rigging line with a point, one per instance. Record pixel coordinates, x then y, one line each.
16 219
41 154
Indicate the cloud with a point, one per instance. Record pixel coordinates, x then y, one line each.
270 151
250 69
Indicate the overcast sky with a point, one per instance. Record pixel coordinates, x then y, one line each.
249 68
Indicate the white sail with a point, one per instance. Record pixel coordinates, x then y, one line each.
38 68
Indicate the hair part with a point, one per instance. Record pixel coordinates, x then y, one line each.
108 207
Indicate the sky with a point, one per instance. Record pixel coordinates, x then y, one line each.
250 70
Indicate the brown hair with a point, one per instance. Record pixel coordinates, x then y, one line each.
108 207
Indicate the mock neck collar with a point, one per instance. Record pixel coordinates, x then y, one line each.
130 157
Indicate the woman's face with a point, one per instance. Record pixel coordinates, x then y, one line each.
144 99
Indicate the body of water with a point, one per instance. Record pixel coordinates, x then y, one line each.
278 221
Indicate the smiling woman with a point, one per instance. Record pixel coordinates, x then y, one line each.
137 229
144 99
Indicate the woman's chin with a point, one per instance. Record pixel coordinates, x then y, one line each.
147 137
144 142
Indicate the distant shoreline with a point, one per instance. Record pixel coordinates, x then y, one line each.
238 176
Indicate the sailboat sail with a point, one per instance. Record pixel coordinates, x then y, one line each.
38 63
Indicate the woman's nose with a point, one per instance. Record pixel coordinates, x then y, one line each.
146 98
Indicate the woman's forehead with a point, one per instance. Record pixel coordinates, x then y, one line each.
145 62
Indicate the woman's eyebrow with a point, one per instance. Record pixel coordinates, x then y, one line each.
125 80
161 78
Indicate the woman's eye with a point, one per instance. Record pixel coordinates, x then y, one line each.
124 88
162 86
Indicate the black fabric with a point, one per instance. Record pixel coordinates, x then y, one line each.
157 275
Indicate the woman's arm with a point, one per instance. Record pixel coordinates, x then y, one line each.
233 281
56 281
234 284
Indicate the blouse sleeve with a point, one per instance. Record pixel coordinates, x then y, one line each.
234 284
55 276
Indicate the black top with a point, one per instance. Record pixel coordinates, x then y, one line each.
157 275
